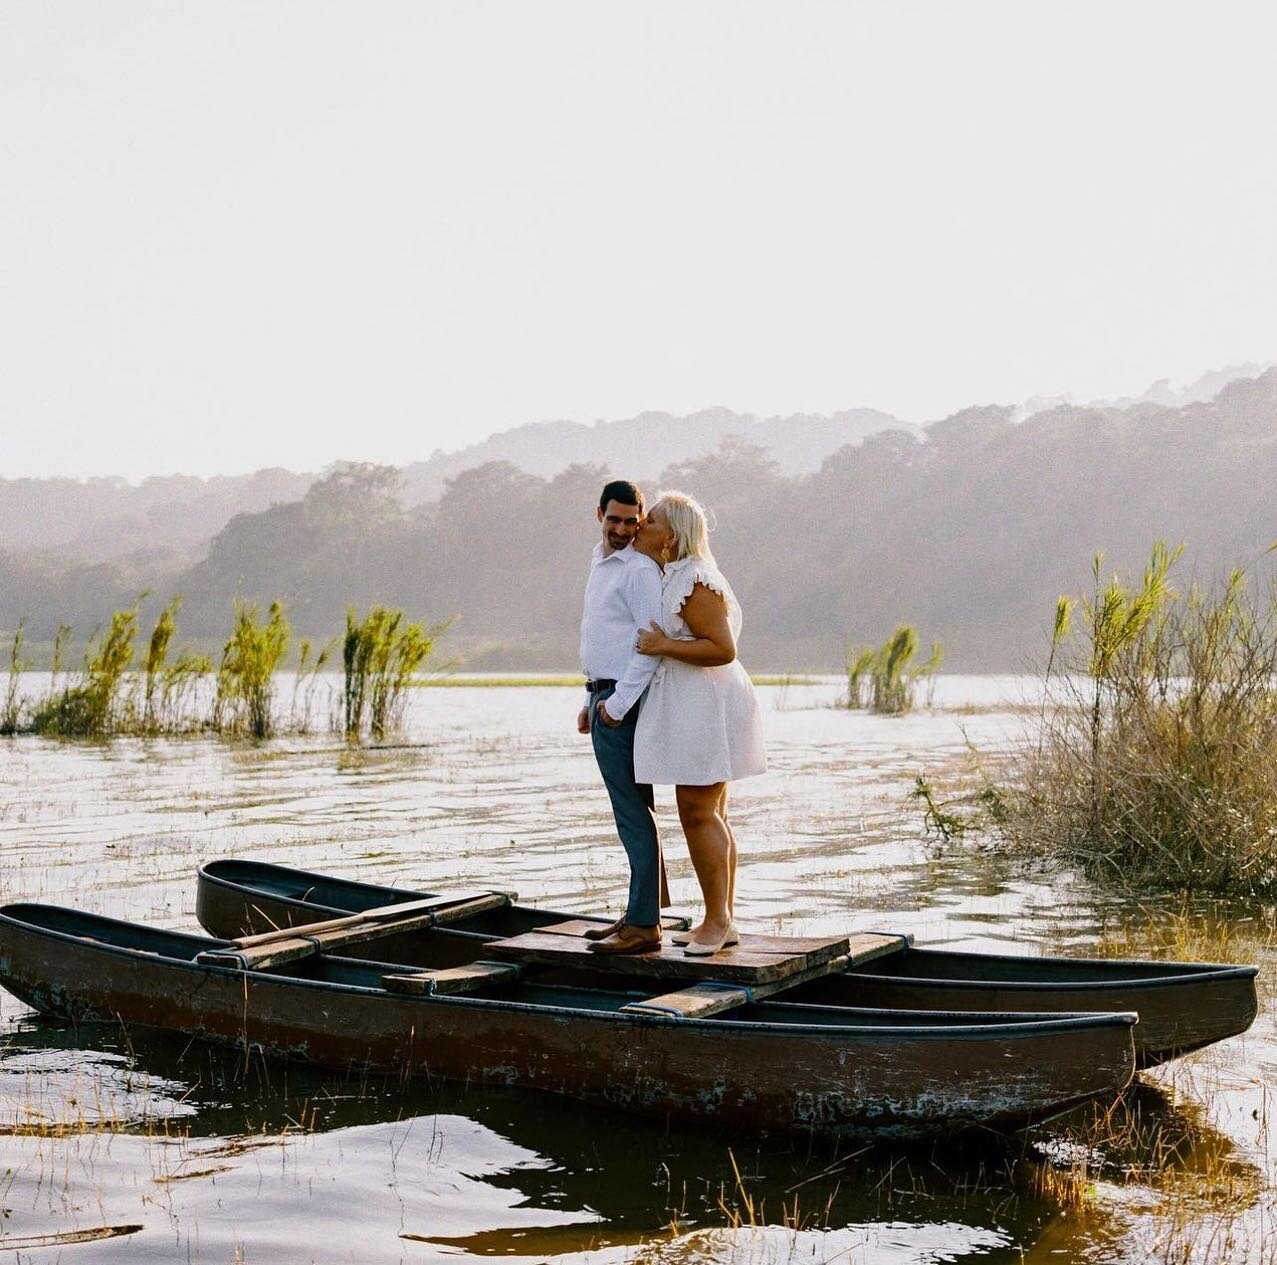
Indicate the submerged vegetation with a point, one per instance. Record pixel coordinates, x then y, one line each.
1156 760
883 679
115 693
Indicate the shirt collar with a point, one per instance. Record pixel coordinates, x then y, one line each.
623 555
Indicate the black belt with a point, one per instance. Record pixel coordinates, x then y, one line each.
596 686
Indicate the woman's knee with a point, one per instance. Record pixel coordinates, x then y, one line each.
698 806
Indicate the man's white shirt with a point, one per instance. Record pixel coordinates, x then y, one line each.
622 595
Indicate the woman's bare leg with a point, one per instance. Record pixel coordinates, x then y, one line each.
731 855
710 844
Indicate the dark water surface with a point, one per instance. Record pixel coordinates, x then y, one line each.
190 1153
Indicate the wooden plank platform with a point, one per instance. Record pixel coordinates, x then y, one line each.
756 960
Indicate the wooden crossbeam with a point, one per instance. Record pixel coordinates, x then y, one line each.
709 997
288 944
454 979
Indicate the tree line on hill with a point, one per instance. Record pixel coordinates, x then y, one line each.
969 533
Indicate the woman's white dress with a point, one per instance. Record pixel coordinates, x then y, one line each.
697 725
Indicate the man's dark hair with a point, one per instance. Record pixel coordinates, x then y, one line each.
622 491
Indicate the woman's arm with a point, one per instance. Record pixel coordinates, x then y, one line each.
705 614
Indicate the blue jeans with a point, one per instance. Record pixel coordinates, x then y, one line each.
632 808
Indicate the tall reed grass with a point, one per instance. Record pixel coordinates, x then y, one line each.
1156 760
380 653
12 706
245 678
163 693
169 687
94 705
883 679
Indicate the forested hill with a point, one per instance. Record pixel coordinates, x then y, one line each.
970 532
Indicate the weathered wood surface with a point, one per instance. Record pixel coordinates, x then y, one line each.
380 913
275 948
869 945
449 981
709 997
740 963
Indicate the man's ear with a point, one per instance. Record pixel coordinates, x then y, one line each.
598 513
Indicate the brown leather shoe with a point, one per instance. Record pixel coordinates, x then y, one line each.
628 940
602 933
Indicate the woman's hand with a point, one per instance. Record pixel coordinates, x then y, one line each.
652 640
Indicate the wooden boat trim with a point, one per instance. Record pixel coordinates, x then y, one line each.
1194 971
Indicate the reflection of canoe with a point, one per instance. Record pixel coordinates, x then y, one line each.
827 1072
1182 1006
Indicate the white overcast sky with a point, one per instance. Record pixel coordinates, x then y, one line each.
245 234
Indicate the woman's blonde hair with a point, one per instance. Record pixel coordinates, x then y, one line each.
686 518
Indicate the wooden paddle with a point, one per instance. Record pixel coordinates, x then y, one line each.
288 944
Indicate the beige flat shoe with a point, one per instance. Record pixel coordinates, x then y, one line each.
701 949
685 937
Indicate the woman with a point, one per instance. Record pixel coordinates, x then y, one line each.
699 727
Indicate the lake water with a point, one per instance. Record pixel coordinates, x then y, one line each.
193 1156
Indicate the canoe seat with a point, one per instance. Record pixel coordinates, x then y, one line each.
696 1002
454 979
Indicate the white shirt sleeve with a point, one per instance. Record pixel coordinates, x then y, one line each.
643 593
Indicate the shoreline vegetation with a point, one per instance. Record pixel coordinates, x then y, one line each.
117 692
1154 761
1151 760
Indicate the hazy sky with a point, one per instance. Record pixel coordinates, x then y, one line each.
242 234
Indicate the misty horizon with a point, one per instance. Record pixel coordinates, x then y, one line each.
1167 390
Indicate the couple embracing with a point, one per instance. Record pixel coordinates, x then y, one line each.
667 704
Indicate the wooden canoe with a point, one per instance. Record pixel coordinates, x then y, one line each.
1182 1006
812 1070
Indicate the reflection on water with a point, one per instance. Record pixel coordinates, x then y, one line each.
218 1161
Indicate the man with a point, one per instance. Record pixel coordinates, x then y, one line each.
623 594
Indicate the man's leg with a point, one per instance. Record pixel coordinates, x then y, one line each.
632 808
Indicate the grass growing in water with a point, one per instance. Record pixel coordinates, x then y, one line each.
881 679
380 653
167 686
245 677
11 708
94 705
1157 758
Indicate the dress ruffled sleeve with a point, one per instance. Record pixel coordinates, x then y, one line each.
687 578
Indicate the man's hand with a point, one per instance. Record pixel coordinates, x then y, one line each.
651 640
604 718
583 721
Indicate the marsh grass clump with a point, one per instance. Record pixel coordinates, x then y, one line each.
1156 762
245 678
380 653
883 679
168 687
12 706
97 703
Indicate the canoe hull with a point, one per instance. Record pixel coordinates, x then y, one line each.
832 1082
1178 1013
1181 1007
